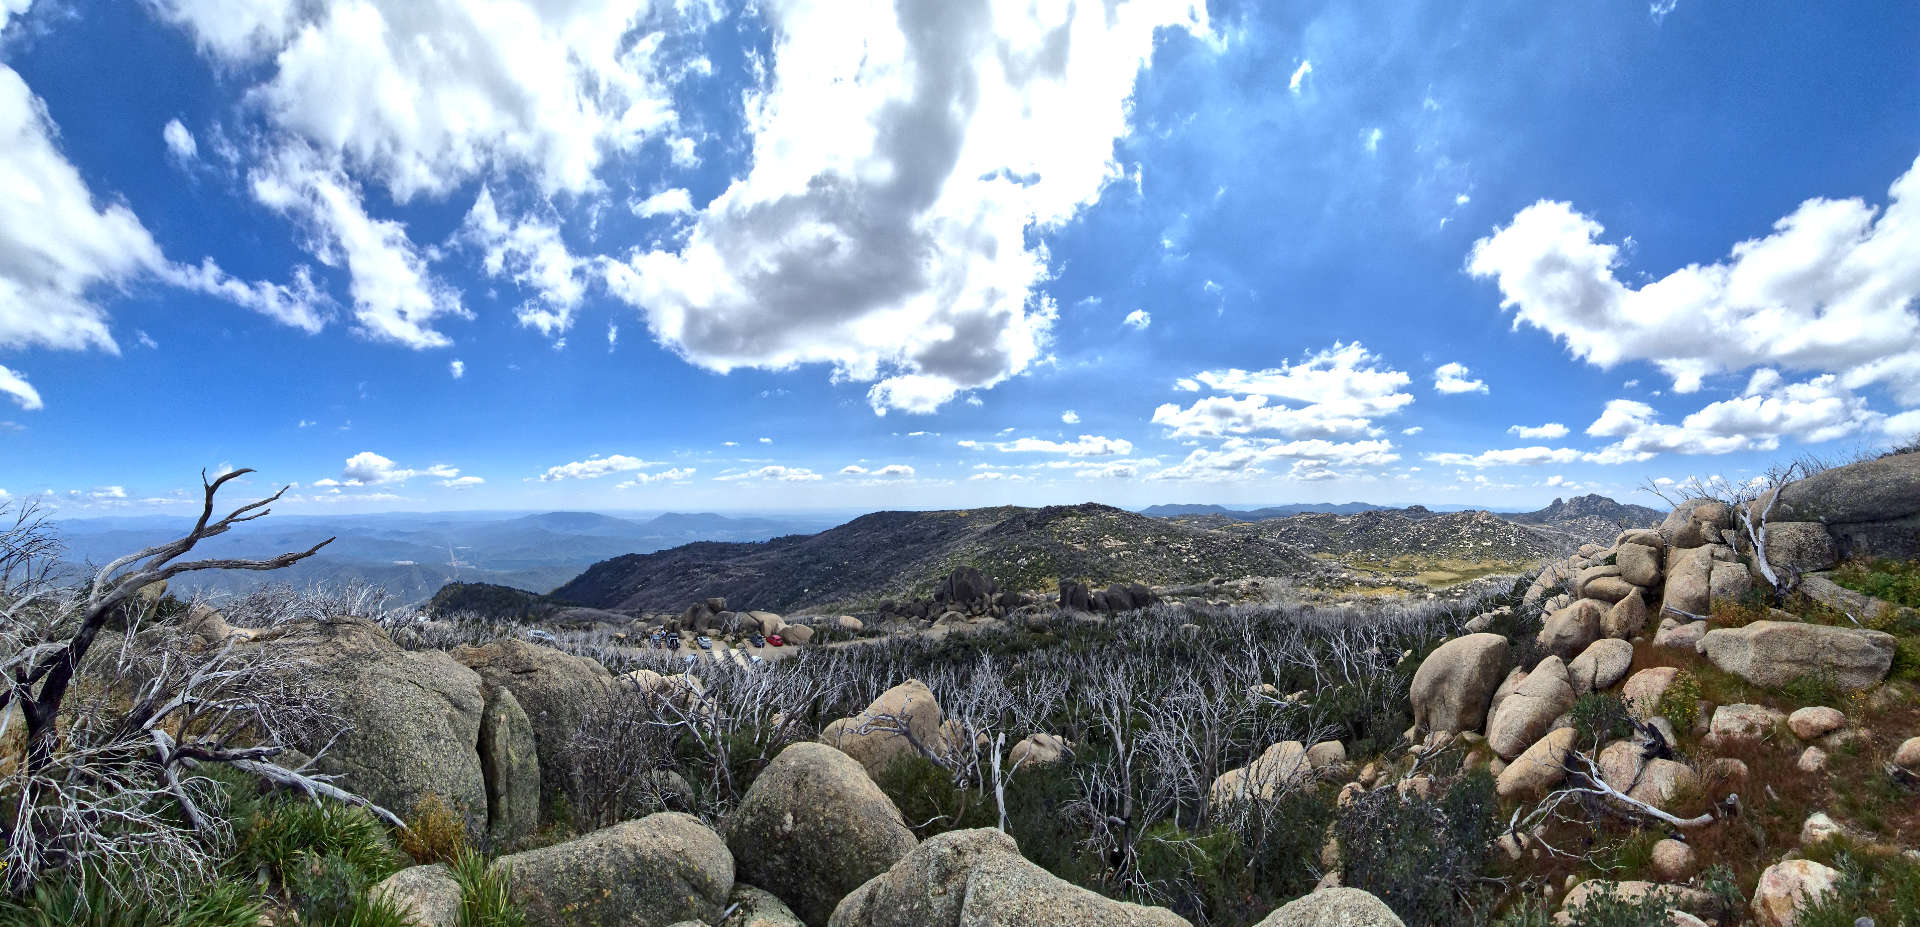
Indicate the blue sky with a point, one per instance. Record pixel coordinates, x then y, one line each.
423 254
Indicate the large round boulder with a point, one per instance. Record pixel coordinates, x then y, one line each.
660 870
554 689
1625 619
1639 564
1785 888
964 878
813 827
1774 653
1569 630
1643 690
1526 715
1333 907
1453 686
413 716
1884 489
425 896
873 737
1541 767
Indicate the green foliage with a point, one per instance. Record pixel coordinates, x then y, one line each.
282 833
1630 857
1599 717
483 894
216 904
1883 887
1283 844
926 797
1896 581
331 891
1370 714
1820 688
1420 856
1680 703
1608 908
1198 871
1527 911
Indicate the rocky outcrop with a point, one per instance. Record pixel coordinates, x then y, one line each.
1602 664
1333 907
1643 690
553 688
1541 767
813 827
1569 630
658 871
753 907
1773 653
1454 685
1037 750
1870 509
413 717
1526 714
873 737
977 877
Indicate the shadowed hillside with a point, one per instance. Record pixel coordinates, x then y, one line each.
902 553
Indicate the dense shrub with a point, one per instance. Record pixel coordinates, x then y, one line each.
1896 581
1421 856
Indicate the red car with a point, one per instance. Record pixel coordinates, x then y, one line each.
775 640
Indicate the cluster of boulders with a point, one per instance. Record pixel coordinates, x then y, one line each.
1511 701
962 596
1117 597
814 841
712 617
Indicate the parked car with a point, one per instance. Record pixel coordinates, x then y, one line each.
757 641
705 642
776 640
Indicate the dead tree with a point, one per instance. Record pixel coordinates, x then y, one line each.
105 769
1742 498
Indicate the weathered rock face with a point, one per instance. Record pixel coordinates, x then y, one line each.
510 765
1806 546
1643 690
754 907
660 870
1454 685
966 589
1743 722
1602 664
1774 653
1679 634
1074 596
813 827
1540 768
1526 714
1625 619
1869 491
1691 901
553 688
1689 581
1728 581
964 878
427 896
1569 630
414 716
1695 522
1639 564
1333 907
1785 888
911 703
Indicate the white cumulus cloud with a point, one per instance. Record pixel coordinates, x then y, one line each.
1832 288
1083 446
595 467
1456 378
1138 320
1550 431
1338 392
774 473
15 385
370 469
1070 417
179 140
901 158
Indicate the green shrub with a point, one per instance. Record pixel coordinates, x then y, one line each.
483 894
1819 688
282 833
1680 703
1599 717
925 795
216 904
1608 908
1196 872
1420 856
1896 581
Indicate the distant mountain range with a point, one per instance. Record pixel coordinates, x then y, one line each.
413 555
900 554
1271 511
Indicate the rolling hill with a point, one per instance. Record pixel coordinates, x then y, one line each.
896 554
